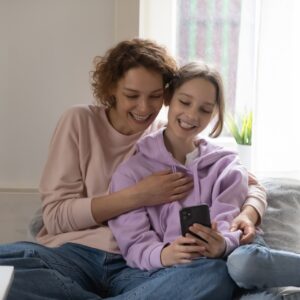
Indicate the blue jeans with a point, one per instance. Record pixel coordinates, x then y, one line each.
256 266
78 272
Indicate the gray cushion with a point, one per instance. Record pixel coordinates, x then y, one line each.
36 224
281 223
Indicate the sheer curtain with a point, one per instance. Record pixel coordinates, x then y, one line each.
274 83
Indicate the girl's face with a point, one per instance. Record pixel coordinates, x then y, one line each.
139 98
191 109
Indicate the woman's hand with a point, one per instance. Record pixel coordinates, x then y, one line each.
158 188
245 224
215 244
183 250
163 187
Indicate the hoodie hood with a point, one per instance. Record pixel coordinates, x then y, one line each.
154 149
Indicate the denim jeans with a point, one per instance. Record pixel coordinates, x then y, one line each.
256 266
74 272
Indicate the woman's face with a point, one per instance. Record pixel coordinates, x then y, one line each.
191 109
139 98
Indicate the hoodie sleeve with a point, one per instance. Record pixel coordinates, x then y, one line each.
139 245
228 195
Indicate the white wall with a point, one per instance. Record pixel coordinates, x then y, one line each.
46 53
158 22
126 19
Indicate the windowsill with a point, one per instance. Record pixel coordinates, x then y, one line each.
225 141
230 143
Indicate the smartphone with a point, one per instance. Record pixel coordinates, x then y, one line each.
194 214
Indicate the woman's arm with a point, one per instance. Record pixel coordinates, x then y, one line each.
252 211
172 187
66 206
257 198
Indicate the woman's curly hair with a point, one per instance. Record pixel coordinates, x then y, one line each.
111 67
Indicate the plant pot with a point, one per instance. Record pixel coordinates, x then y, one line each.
245 155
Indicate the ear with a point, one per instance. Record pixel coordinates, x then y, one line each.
112 96
113 91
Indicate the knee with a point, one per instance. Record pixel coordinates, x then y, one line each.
220 272
215 280
246 265
221 285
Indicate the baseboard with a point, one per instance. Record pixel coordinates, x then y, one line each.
16 194
19 190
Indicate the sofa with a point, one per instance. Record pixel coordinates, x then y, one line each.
281 224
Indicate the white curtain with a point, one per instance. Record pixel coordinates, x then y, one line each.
273 81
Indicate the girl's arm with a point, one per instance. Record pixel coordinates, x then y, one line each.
139 243
245 222
229 190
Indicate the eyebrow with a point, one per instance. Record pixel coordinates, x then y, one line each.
190 96
133 90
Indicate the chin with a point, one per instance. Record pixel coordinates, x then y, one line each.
138 127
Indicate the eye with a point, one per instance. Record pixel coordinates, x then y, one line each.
206 111
131 96
156 96
183 102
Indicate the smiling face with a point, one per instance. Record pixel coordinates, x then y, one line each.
139 98
191 109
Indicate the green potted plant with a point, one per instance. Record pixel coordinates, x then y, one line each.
240 127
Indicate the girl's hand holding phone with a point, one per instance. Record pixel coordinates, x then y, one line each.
215 244
181 251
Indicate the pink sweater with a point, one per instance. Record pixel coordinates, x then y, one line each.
84 152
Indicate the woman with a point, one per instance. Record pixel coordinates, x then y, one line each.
76 256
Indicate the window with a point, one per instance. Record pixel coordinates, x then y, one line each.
260 72
220 32
209 30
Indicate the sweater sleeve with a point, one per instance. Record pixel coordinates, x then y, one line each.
139 244
228 194
65 206
256 197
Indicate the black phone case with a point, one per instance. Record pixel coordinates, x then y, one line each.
194 214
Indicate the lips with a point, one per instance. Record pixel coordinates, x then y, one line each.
186 125
140 118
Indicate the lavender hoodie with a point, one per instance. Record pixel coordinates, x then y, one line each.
220 181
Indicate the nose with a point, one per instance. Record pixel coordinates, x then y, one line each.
192 114
143 105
